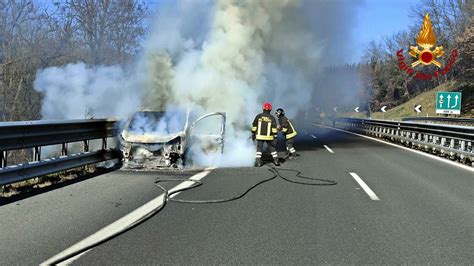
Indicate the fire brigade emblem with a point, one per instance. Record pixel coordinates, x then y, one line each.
426 40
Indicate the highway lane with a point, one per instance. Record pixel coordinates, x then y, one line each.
424 214
36 228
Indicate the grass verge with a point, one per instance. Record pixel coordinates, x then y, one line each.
29 185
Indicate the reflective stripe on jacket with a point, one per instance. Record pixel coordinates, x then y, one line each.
264 126
287 127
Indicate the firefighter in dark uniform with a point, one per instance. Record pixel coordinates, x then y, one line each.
264 130
289 132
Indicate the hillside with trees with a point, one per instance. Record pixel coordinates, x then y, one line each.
36 35
452 21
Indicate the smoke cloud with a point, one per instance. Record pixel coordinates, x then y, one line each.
245 53
228 56
77 90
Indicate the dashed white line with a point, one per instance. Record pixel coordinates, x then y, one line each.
121 224
466 167
327 148
364 186
314 137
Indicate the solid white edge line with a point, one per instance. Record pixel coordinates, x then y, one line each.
71 259
123 222
465 167
327 148
314 137
364 186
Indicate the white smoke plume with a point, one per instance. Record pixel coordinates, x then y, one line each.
77 90
228 56
243 54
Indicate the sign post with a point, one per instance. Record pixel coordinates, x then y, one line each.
448 102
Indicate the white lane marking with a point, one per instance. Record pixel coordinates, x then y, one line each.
314 137
71 259
465 167
122 223
327 148
364 186
187 184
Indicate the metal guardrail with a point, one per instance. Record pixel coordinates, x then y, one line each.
455 142
36 134
441 119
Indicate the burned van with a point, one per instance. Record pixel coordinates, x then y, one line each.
161 139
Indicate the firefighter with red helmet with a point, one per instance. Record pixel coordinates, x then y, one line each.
289 132
264 130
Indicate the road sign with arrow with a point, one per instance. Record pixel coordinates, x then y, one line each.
335 109
356 109
418 108
383 109
448 103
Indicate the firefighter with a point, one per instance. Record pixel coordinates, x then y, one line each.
289 132
264 130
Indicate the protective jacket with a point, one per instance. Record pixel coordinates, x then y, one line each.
287 127
264 126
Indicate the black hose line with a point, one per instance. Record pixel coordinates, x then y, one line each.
274 170
197 183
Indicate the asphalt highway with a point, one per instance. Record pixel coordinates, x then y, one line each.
390 206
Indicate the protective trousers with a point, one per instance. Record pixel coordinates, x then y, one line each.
271 146
289 146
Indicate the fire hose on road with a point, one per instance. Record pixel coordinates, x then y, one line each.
125 224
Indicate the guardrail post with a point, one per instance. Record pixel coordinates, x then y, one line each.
37 154
451 146
463 148
64 149
85 146
3 159
104 143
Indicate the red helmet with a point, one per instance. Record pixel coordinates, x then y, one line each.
267 106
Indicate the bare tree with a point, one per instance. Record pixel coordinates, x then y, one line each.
21 31
111 30
33 37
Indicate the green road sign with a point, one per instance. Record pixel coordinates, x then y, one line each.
448 103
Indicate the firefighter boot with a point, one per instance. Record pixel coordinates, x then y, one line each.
292 156
258 162
276 162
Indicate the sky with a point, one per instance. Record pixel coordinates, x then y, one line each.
379 18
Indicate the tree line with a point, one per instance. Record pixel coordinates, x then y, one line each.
386 84
35 35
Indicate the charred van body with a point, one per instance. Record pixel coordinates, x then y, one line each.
161 139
